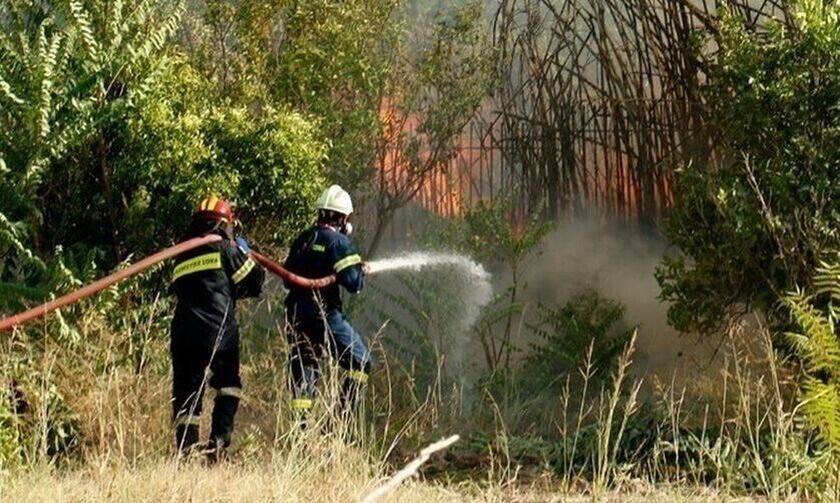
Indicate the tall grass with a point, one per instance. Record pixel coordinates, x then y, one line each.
96 426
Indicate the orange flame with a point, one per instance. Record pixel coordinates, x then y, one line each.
607 181
432 187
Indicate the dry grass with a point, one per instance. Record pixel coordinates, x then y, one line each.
343 480
122 416
165 480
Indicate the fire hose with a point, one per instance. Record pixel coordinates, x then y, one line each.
101 284
308 283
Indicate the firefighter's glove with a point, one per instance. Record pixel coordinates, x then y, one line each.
365 268
242 243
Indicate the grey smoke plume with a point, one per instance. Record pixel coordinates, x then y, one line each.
619 263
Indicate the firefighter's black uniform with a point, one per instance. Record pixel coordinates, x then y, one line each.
316 318
207 282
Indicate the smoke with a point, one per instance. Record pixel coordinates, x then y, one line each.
619 263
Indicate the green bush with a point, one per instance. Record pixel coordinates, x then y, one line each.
754 223
276 157
566 335
66 69
167 155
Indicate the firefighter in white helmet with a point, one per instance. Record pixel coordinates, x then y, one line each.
315 317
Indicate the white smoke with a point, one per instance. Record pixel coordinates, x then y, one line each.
619 263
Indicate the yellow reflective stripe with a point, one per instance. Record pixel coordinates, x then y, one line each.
230 391
346 262
358 376
187 420
209 203
243 271
301 404
206 262
319 248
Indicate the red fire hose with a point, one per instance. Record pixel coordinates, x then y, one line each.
87 291
291 277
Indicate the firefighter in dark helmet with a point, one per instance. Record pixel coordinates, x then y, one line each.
207 282
315 318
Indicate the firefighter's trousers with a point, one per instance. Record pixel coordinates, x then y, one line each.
311 333
190 365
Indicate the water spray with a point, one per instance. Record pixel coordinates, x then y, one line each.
478 291
415 261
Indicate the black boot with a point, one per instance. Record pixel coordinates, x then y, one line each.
224 412
186 437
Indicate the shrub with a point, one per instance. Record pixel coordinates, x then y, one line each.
754 223
568 333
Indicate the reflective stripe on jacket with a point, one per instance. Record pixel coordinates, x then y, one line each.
207 282
322 251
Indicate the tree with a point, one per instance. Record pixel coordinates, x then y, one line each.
108 139
233 44
65 67
390 97
174 148
434 90
753 225
333 61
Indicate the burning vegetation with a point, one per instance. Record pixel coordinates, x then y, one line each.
610 230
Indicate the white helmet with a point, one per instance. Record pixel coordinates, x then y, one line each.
335 199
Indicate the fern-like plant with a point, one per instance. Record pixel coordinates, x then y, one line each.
567 333
817 345
66 68
67 65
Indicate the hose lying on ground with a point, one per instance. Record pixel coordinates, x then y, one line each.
96 286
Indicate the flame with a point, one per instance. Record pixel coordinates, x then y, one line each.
607 180
432 184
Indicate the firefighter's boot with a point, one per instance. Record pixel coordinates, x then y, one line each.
224 411
350 390
303 383
186 437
